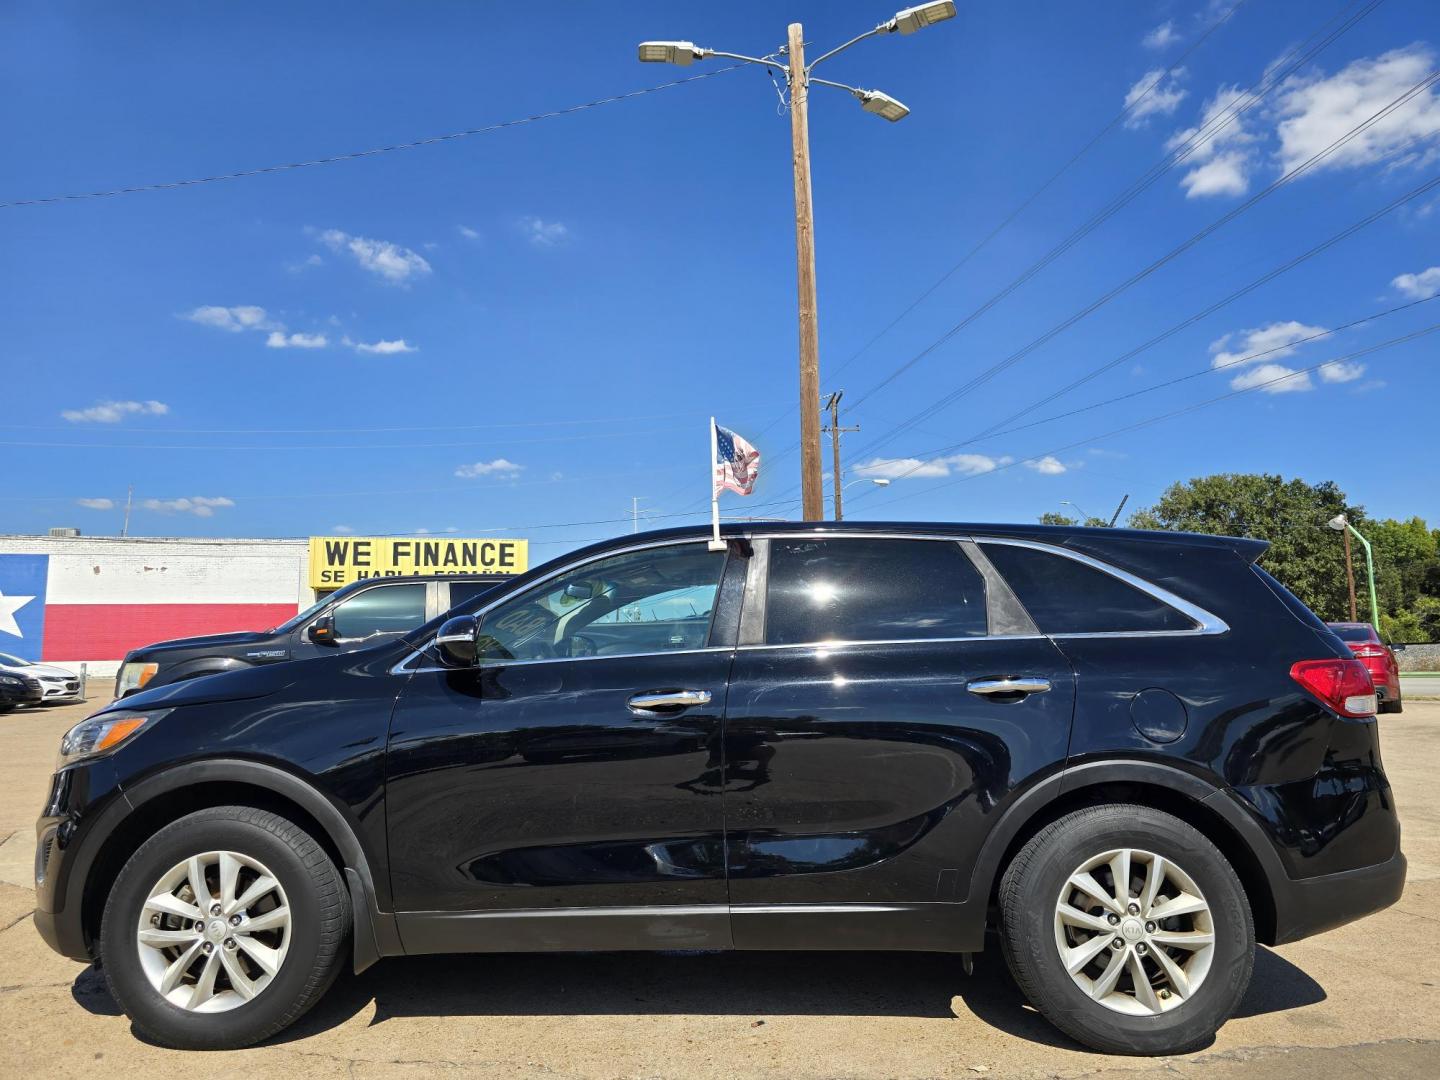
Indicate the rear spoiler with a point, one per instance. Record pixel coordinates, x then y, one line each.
1247 547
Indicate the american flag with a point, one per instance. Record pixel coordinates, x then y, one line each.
737 463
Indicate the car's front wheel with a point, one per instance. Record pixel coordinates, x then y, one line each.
1128 930
223 928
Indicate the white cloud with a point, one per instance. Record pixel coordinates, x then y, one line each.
544 233
96 504
342 530
233 319
395 264
467 232
1220 163
1145 102
1275 340
1048 465
278 339
1271 378
112 412
386 348
918 469
1315 112
199 505
1162 37
1419 286
1342 371
499 467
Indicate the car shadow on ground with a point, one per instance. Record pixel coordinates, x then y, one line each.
756 985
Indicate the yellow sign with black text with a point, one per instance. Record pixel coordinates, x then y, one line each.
339 560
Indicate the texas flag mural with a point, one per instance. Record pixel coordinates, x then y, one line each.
78 607
22 605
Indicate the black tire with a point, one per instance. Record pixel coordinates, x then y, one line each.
1392 706
1031 888
319 928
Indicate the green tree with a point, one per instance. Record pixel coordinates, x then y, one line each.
1306 555
1050 517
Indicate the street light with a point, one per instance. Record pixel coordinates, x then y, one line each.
799 76
878 481
1341 524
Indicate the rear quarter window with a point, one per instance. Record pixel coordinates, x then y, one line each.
1065 596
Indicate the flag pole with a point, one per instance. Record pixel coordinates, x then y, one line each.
716 544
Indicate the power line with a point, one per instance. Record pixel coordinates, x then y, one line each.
334 158
1211 370
1149 421
1009 219
1065 324
1276 74
1001 426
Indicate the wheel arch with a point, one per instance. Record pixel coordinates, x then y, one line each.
1202 805
170 795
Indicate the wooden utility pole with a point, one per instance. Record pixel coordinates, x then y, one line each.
1350 577
812 494
832 405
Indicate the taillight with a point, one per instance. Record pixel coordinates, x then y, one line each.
1367 651
1344 685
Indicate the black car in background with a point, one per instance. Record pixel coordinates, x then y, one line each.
1132 754
353 617
17 689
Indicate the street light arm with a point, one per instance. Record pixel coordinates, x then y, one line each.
883 28
763 61
838 86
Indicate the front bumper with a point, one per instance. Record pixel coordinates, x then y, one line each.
1309 906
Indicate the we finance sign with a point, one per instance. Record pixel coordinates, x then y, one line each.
339 560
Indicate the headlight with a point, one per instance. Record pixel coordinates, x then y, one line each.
99 735
134 677
10 680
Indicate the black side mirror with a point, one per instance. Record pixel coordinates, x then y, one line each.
456 641
322 630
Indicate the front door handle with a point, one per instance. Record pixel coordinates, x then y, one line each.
1017 686
668 700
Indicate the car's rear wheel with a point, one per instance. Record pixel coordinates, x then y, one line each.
1128 930
223 928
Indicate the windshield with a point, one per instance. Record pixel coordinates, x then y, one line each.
6 660
1353 631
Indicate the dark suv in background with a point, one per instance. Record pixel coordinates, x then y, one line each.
1131 754
354 617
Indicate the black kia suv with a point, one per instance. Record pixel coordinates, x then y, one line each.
1130 754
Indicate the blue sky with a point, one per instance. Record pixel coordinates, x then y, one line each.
543 317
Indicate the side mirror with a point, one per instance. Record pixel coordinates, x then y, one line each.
322 630
456 641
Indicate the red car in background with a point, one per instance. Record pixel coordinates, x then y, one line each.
1365 643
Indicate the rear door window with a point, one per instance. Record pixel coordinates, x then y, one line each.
857 589
1065 596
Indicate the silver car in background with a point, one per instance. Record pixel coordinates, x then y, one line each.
61 686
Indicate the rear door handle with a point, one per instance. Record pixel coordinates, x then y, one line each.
1021 685
668 700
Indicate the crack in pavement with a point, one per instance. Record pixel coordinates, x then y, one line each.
16 921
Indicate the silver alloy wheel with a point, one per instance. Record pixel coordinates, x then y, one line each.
1134 932
214 931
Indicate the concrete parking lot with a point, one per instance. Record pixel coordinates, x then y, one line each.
1360 1001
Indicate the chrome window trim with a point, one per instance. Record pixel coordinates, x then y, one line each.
852 643
1206 623
481 612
